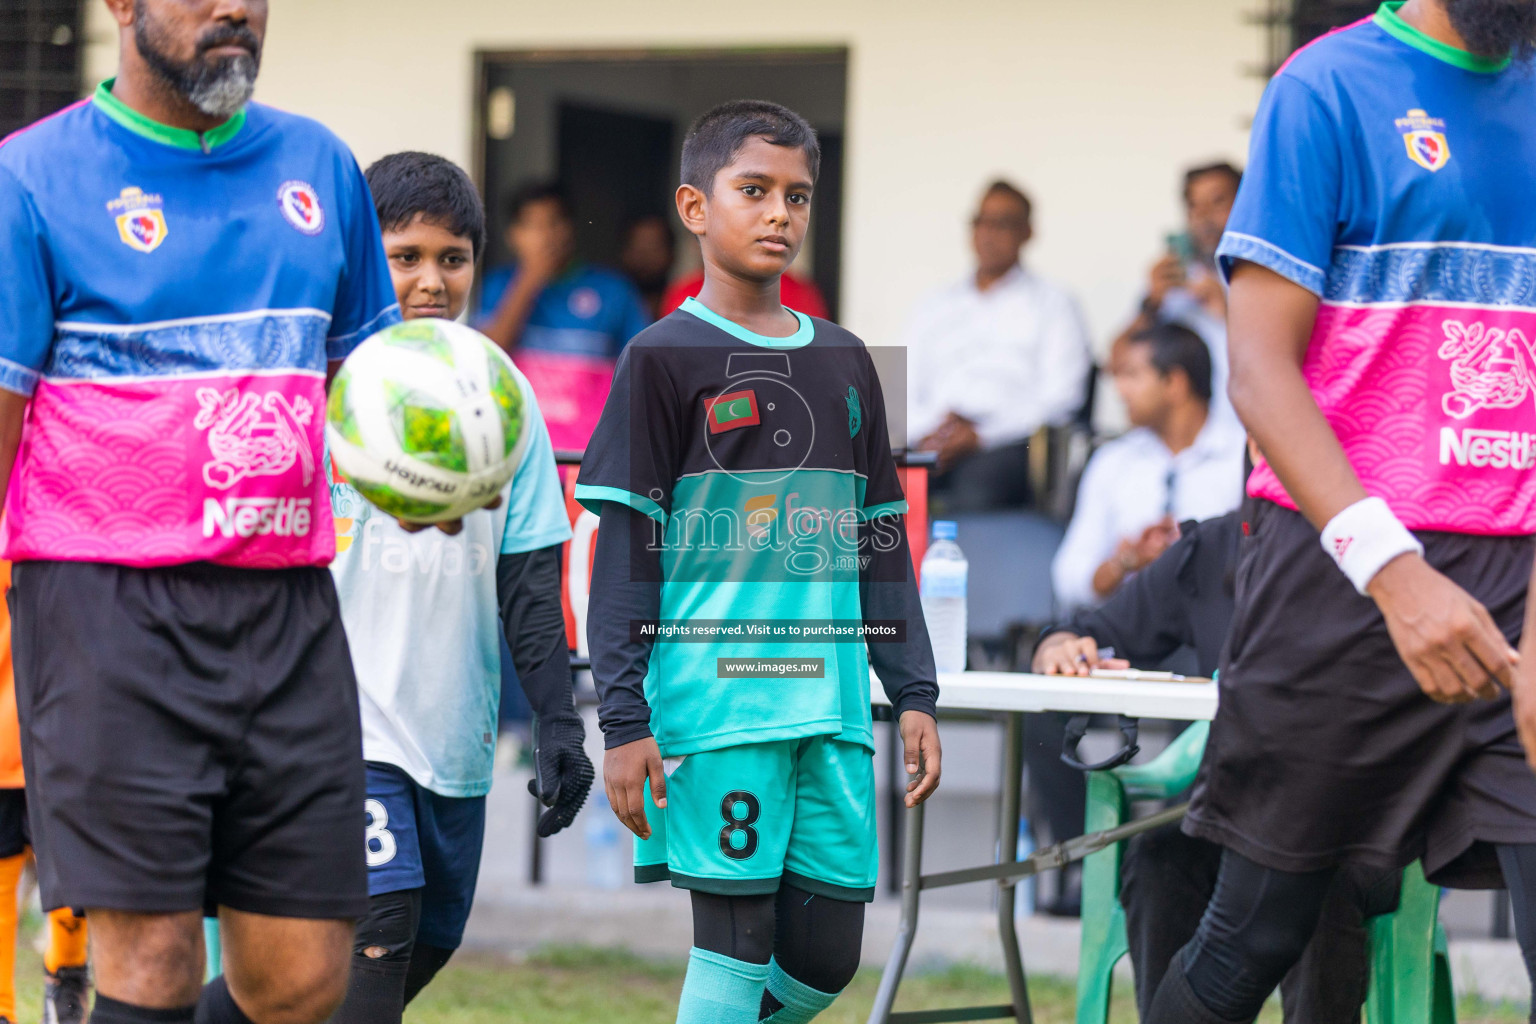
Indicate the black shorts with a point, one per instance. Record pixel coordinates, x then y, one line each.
191 739
1324 750
14 834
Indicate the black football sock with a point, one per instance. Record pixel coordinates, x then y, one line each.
381 959
216 1006
112 1011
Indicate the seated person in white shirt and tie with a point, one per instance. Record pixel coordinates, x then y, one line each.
1177 463
991 359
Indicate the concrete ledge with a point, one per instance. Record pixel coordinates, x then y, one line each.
655 921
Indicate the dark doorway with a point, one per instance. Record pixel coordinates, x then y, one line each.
609 126
593 144
39 59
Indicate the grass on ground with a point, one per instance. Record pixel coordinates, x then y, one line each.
581 986
593 986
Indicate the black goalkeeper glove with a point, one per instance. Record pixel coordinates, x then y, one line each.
562 772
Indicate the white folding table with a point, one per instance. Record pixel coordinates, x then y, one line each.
1012 695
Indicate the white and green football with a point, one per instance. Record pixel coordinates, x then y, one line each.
427 420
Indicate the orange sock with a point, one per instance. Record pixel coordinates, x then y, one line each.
66 940
10 876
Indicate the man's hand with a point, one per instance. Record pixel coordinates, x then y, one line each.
452 527
1154 540
1167 274
625 770
562 772
921 754
540 256
953 439
1447 639
1067 654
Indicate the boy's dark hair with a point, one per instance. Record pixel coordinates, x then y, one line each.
1003 187
1217 168
530 192
719 133
407 184
1175 347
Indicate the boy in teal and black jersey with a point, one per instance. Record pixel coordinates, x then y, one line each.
751 540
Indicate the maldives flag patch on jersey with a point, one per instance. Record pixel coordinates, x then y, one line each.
732 410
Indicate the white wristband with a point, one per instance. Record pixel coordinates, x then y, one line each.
1366 536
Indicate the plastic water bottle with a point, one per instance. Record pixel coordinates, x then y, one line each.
605 854
943 592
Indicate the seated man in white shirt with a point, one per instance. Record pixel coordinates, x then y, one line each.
990 360
1178 463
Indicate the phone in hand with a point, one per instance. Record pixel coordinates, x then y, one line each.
1182 245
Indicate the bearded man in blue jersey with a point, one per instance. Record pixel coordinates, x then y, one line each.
182 269
1382 261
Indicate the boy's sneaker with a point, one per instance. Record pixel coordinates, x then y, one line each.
64 995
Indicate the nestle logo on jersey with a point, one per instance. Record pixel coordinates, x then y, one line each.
256 517
1491 449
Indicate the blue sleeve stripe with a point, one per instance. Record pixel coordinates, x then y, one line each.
1237 246
885 508
17 378
592 498
344 343
516 545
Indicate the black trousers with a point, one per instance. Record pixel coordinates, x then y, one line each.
992 478
1166 880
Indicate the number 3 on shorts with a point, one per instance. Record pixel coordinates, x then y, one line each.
738 839
377 841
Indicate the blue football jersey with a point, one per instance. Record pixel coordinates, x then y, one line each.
170 303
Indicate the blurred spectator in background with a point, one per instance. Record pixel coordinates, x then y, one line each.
649 249
1177 463
1184 287
991 359
563 321
795 292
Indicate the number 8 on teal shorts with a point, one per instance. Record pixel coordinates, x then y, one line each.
740 819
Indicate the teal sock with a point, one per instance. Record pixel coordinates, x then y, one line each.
798 1002
720 990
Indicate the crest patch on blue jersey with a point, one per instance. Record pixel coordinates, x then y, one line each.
140 219
300 204
855 414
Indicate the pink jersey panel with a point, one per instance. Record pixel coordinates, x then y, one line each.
1435 406
221 468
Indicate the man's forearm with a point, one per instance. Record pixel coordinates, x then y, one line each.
506 325
13 415
1270 325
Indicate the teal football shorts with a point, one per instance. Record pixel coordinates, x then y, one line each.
740 820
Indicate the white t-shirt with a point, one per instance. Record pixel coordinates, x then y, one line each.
423 622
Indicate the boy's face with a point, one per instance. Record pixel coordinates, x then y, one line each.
754 221
432 269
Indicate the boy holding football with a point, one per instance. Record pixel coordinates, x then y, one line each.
751 509
421 609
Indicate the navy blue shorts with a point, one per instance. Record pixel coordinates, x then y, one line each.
417 839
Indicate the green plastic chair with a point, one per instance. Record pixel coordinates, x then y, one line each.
1410 970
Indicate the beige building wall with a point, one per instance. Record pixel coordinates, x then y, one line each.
1092 105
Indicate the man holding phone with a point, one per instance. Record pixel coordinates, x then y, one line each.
1183 286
